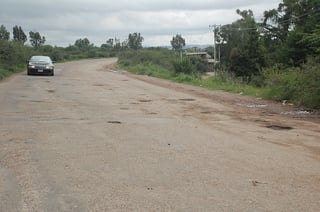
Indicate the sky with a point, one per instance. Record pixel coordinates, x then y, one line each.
62 22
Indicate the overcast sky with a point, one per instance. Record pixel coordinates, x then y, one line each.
64 21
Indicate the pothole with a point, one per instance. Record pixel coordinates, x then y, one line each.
252 105
114 122
38 101
279 127
51 91
145 100
99 85
187 99
300 112
205 112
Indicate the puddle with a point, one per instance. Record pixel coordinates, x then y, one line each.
279 127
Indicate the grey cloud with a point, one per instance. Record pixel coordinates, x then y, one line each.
61 21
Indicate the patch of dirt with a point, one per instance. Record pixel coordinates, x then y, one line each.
243 104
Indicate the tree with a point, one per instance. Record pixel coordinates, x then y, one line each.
241 40
288 28
4 34
178 42
19 35
110 42
312 40
83 44
36 40
117 44
135 41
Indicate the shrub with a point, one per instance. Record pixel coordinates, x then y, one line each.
183 66
299 85
157 56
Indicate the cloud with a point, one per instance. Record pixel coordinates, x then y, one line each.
64 21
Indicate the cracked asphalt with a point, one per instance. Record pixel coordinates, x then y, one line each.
94 138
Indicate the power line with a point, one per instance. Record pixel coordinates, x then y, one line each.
314 12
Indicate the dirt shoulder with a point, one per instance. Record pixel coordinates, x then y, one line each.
240 102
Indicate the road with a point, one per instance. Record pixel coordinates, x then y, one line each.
93 138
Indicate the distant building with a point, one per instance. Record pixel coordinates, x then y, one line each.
203 55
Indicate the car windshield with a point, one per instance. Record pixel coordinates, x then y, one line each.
40 59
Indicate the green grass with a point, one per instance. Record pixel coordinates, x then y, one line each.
5 72
224 83
298 85
148 69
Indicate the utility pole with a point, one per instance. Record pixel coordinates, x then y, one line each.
214 41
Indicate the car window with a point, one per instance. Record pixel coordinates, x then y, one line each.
40 58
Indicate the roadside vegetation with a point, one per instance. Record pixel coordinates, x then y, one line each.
275 58
15 49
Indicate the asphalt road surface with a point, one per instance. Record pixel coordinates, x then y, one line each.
93 138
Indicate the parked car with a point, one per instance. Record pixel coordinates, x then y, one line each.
40 65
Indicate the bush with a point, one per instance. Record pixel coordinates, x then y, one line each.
156 56
183 66
12 54
299 85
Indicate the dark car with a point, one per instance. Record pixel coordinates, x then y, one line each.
40 65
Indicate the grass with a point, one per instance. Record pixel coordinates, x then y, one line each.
5 72
221 82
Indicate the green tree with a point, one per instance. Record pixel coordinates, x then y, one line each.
241 46
83 44
19 35
286 29
36 40
312 40
178 42
117 44
4 34
135 41
110 42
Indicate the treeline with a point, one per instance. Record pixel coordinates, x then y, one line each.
281 52
14 51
